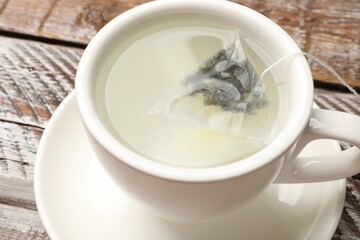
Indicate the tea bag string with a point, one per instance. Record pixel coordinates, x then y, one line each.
316 59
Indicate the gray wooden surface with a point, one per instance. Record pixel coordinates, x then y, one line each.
41 43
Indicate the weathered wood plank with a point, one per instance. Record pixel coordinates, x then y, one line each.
18 145
333 34
34 79
20 224
76 20
16 192
24 16
18 214
329 29
338 100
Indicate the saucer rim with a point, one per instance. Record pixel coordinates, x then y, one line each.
38 168
42 149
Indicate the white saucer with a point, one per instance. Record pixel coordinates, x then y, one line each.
76 199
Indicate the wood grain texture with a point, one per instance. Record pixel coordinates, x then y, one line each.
33 83
72 20
329 29
34 79
20 224
17 193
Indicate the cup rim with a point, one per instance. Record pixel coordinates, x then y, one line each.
86 104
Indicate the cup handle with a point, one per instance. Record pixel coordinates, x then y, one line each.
324 124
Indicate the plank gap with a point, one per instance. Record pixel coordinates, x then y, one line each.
334 86
46 40
21 123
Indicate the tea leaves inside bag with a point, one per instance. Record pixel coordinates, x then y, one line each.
224 94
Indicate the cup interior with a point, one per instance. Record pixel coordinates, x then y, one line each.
294 78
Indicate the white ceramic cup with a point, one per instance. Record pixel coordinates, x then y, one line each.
202 194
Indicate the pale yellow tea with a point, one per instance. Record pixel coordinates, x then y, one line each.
146 70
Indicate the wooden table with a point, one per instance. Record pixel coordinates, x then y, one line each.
41 43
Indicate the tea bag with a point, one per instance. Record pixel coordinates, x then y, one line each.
223 94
